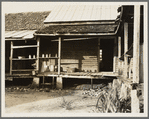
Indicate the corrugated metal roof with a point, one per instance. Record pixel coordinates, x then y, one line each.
69 13
21 35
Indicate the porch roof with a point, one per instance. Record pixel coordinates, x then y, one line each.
97 29
19 35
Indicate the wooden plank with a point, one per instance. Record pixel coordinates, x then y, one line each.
90 62
114 64
88 57
24 59
69 61
119 54
136 45
38 48
29 46
89 65
48 57
11 56
76 39
136 52
125 48
119 47
24 70
59 82
10 39
78 34
59 55
80 23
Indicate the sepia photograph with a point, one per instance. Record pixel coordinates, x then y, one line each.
70 59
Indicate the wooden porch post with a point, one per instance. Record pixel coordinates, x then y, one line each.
36 80
59 81
125 48
11 56
136 51
98 69
38 41
59 56
119 54
119 47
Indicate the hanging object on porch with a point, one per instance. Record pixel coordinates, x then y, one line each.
44 66
51 67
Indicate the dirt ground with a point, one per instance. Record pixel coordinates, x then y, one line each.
54 101
23 99
16 97
17 93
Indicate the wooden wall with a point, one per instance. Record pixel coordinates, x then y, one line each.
80 54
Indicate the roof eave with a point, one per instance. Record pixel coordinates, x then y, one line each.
92 22
79 34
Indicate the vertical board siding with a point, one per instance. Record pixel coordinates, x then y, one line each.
116 64
81 55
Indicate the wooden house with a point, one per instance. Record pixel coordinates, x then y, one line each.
19 30
84 42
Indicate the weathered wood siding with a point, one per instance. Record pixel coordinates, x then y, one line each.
81 55
115 63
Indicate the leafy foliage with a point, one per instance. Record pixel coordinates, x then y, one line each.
114 99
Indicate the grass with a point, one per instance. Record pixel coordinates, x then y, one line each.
66 104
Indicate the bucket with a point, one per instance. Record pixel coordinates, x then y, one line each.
44 66
51 67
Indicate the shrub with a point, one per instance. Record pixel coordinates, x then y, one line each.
114 99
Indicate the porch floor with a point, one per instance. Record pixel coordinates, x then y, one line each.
81 75
84 75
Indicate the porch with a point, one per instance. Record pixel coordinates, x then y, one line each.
76 75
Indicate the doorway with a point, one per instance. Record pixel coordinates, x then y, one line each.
106 54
